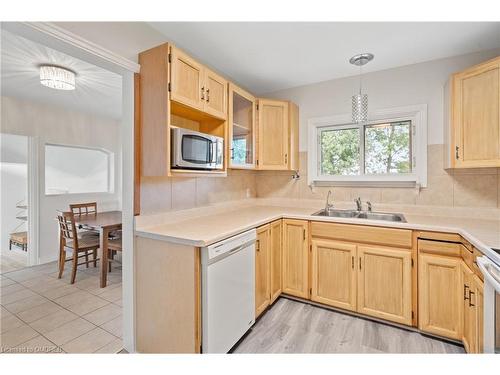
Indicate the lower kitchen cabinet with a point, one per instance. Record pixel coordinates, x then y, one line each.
372 279
384 283
268 259
479 316
276 239
440 299
333 273
469 313
262 269
295 258
472 311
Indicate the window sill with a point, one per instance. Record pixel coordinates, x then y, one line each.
401 183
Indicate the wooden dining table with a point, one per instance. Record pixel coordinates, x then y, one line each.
103 222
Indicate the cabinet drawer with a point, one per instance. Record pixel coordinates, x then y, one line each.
440 236
467 255
440 248
363 233
475 267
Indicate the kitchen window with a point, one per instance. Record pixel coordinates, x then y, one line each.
389 150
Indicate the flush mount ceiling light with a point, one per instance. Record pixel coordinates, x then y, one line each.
360 100
57 78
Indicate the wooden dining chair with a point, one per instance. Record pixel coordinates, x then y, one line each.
82 210
90 208
79 209
114 245
79 247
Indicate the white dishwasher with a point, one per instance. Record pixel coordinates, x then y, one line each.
228 291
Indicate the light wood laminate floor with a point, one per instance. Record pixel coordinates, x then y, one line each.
295 327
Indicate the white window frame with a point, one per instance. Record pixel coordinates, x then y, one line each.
111 170
417 114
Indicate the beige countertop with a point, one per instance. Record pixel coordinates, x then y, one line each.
205 226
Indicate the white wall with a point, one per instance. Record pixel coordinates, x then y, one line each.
76 170
408 85
14 184
57 125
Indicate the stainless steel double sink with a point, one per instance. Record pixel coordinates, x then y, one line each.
368 215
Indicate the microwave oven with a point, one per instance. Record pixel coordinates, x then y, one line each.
195 150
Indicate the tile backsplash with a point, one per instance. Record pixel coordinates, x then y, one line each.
159 194
454 188
457 188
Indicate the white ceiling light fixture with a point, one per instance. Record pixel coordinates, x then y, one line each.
360 100
57 78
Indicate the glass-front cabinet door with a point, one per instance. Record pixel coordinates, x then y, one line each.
241 128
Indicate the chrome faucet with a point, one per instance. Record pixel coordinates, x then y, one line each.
358 204
369 204
328 205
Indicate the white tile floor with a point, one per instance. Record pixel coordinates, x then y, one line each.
40 313
12 260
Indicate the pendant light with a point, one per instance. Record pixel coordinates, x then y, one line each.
360 100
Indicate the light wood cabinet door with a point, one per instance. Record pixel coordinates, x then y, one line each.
476 116
384 283
273 134
479 302
276 259
214 92
440 295
242 135
186 79
469 331
333 273
262 262
473 311
295 258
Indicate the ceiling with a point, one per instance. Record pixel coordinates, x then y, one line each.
262 57
265 57
97 92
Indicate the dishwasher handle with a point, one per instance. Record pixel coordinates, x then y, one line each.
231 252
490 272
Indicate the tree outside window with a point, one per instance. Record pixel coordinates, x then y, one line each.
374 149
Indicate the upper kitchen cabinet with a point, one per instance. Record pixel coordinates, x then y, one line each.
241 128
473 128
153 113
196 86
278 127
215 94
186 80
181 97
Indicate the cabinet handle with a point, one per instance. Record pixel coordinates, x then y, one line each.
352 262
360 263
203 93
470 299
232 153
257 245
465 292
304 232
208 97
456 152
286 158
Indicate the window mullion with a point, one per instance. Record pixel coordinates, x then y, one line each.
319 154
361 150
